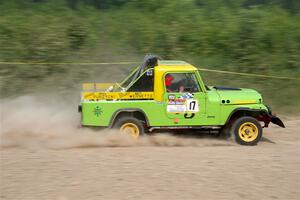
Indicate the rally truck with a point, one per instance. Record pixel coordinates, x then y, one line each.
168 94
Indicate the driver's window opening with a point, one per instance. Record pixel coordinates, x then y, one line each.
181 82
145 83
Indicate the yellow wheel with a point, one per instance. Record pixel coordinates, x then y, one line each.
131 126
247 131
130 129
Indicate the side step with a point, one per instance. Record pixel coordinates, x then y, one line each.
185 127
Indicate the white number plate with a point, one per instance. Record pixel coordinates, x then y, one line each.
192 105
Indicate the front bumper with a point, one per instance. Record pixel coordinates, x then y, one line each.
277 121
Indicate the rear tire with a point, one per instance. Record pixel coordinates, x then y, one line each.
131 126
246 130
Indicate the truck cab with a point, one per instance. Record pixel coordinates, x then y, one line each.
168 94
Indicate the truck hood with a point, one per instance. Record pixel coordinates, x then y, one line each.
237 95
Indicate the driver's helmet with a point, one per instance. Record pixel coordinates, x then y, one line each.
168 79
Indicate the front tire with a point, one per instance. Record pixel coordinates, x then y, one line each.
130 126
247 131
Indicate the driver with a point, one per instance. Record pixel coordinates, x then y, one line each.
173 87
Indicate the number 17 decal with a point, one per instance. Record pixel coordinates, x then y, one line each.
192 105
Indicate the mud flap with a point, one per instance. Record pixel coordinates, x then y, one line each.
276 120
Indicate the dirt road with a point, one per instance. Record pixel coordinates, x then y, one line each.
52 162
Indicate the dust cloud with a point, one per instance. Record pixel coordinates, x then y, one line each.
45 122
44 154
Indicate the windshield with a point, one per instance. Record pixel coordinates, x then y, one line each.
206 86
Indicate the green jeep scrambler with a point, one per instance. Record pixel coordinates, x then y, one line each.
167 94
